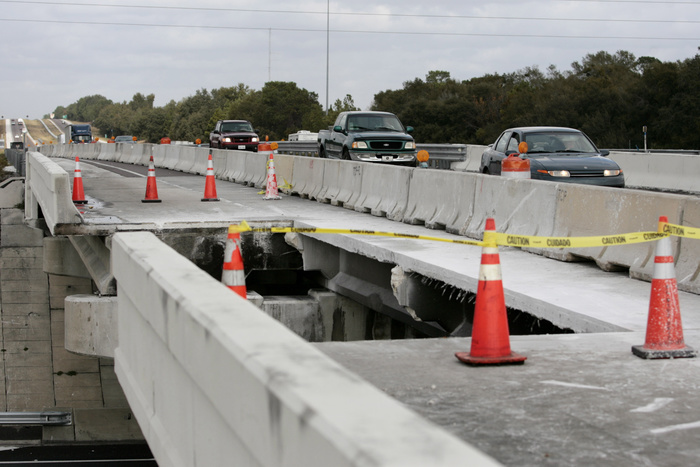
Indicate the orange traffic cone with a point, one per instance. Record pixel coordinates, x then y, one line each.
664 338
78 192
210 183
233 275
490 336
271 192
151 187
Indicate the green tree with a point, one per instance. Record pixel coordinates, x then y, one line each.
279 109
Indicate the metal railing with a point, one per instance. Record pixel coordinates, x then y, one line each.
36 418
441 155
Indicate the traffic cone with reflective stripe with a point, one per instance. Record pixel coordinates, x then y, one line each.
233 275
78 192
664 337
490 336
210 183
271 191
151 187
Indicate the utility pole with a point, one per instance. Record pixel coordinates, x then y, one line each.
328 29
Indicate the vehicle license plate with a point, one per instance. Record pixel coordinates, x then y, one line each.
241 146
387 158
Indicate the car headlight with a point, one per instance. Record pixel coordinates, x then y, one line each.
611 173
227 140
255 139
359 145
559 173
410 145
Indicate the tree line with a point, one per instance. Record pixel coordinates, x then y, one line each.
610 97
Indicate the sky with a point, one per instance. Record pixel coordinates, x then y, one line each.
55 52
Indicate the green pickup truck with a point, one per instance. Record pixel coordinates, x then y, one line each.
368 137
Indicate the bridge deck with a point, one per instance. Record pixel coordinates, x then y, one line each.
577 400
571 295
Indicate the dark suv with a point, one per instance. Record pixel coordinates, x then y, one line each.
234 134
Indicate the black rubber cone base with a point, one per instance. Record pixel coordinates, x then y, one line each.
82 201
651 354
210 199
150 201
511 359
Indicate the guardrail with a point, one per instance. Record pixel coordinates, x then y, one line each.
16 157
441 155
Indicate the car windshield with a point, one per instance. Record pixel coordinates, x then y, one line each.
556 142
236 126
374 123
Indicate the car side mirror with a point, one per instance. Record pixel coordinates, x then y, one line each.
338 128
604 152
409 129
216 132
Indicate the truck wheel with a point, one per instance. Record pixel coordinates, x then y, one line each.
322 153
346 154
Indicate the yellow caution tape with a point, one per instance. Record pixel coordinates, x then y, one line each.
577 242
499 238
679 230
244 227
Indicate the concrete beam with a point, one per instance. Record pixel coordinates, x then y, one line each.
96 257
61 258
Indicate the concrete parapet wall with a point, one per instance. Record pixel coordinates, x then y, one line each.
50 187
280 400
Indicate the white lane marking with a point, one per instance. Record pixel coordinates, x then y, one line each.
658 403
682 426
112 167
573 385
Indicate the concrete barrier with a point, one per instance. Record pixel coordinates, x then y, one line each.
331 182
519 206
308 177
170 156
384 191
663 171
591 211
255 169
109 152
279 402
688 249
201 160
284 171
440 199
235 166
349 183
220 164
185 160
473 159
